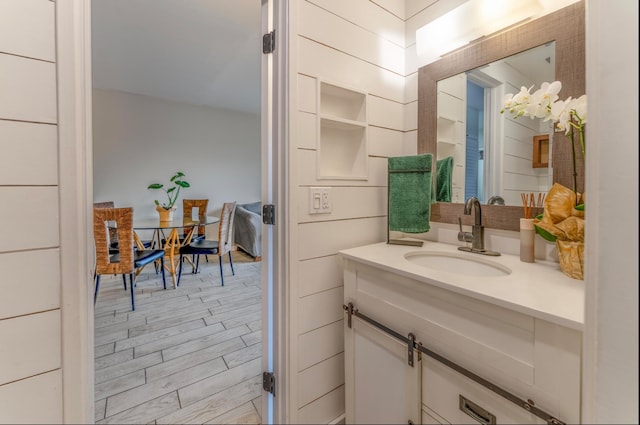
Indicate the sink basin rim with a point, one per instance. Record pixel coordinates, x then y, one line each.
483 266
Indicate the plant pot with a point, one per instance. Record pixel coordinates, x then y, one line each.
165 215
571 256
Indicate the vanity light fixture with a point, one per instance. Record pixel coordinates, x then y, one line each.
467 22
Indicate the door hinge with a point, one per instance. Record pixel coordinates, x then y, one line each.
269 382
269 42
269 214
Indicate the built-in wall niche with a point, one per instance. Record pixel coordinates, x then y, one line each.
446 131
342 138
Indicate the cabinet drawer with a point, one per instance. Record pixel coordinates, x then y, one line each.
442 388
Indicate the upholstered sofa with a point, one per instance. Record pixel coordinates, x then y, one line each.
247 229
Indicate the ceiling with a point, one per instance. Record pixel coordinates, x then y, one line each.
202 52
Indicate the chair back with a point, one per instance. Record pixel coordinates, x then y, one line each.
225 236
106 204
113 233
187 210
103 219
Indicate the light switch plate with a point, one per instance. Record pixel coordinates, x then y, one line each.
320 201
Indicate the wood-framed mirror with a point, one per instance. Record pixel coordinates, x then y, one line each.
564 28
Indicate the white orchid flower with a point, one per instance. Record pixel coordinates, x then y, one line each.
561 114
567 115
551 91
507 102
517 104
523 97
538 105
579 108
544 104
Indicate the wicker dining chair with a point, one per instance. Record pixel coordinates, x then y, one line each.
218 247
127 260
113 233
187 212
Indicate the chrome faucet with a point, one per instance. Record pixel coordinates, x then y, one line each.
476 237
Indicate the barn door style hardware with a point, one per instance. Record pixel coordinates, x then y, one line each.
410 339
412 344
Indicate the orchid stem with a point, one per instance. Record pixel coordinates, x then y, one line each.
582 141
575 173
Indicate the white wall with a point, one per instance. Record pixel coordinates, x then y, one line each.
30 310
139 140
610 390
358 44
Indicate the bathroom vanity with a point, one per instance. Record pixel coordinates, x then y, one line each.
437 335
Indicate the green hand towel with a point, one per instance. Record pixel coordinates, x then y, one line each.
444 172
410 193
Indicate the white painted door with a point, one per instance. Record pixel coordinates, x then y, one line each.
382 386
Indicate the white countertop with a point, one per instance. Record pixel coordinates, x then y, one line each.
538 289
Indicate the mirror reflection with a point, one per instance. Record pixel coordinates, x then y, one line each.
482 152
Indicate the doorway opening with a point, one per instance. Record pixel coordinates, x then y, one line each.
190 353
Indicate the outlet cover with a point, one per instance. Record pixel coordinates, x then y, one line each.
320 201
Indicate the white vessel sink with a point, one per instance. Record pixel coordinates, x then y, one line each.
464 264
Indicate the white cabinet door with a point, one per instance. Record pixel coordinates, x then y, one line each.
381 385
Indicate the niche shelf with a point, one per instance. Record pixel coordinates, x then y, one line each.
446 130
342 138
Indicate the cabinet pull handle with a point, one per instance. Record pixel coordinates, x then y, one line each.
476 412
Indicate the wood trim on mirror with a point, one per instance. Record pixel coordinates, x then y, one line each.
567 28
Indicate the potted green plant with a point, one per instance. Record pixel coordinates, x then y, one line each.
166 209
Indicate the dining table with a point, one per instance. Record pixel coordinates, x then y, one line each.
172 243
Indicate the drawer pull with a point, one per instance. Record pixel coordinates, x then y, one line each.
478 413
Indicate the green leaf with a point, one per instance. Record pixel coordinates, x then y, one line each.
543 233
173 192
177 175
580 207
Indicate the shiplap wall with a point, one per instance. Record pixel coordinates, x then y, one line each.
359 44
30 327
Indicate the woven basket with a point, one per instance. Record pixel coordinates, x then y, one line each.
571 256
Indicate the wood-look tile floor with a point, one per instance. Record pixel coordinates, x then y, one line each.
186 355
